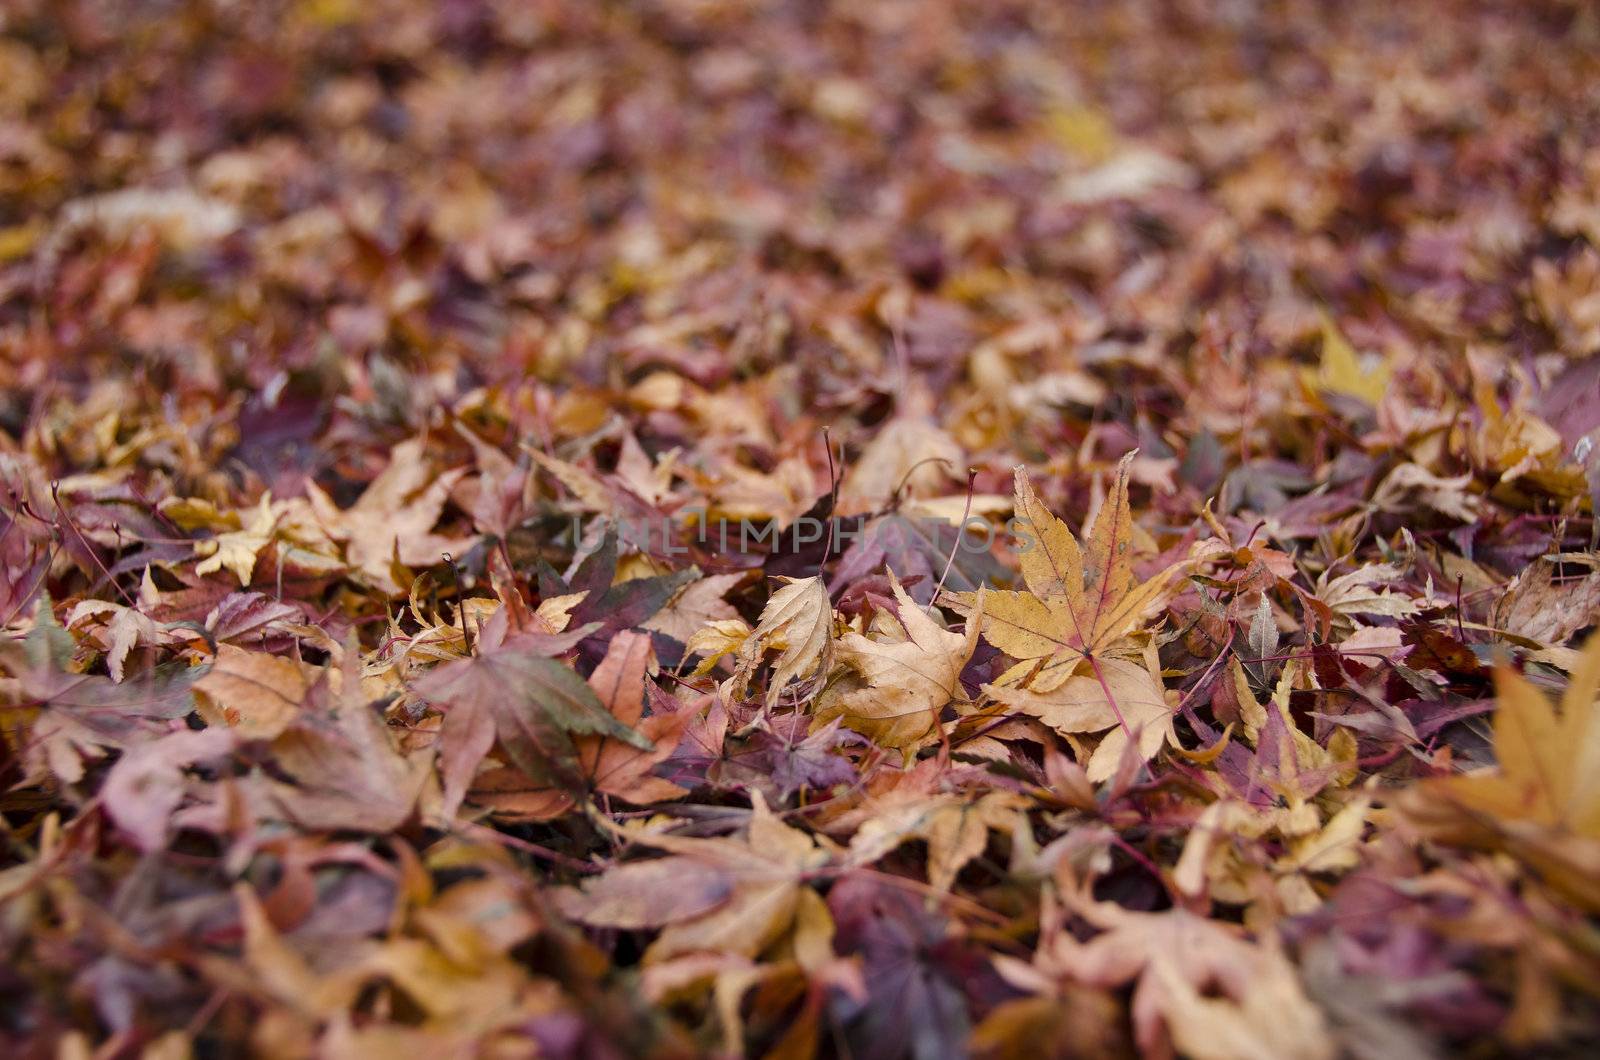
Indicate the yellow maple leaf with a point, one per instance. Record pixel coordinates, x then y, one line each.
1342 372
1078 604
236 550
1541 802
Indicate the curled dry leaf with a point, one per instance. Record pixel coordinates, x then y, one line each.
911 672
1548 605
797 623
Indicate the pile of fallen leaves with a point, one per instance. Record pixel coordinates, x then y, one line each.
788 528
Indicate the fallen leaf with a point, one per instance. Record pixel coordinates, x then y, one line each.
911 672
256 693
1342 371
748 893
1541 802
1546 606
1123 695
1076 607
536 706
1199 986
798 623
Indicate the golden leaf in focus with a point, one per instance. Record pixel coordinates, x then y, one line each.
1078 604
1120 694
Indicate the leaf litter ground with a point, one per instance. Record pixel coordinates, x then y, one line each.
795 529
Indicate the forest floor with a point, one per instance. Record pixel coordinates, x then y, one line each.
787 528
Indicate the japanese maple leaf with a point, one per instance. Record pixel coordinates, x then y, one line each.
1078 605
607 765
1200 985
236 550
721 895
798 620
1071 628
1542 801
124 629
532 705
347 772
1123 695
910 673
783 759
